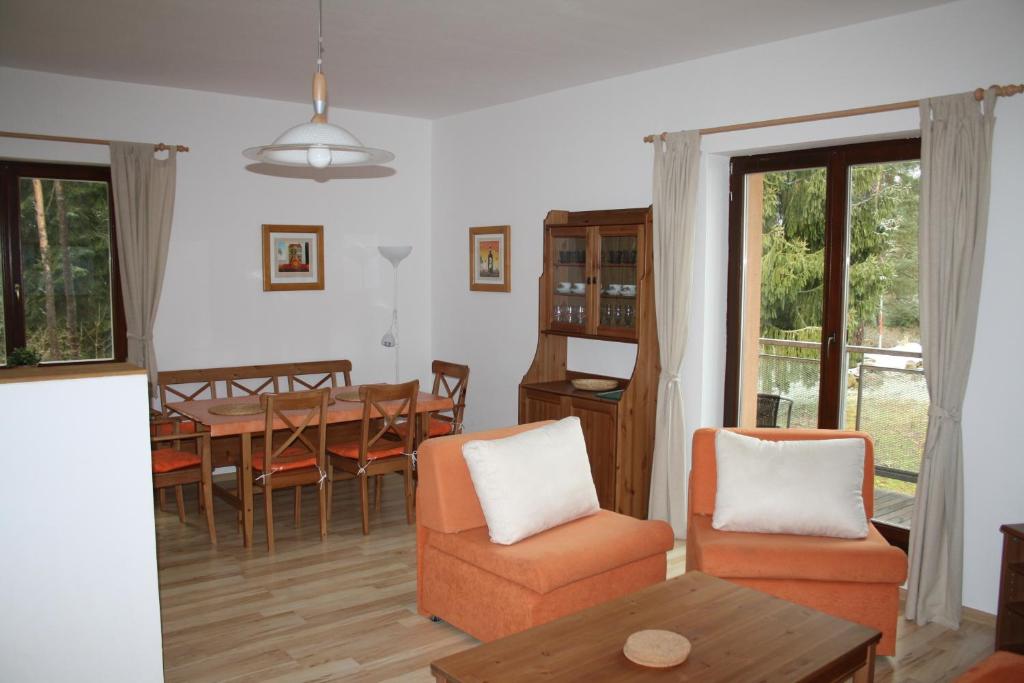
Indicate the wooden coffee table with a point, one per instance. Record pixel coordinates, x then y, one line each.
738 634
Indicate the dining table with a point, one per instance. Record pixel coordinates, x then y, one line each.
345 407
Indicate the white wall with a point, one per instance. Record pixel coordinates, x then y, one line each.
78 574
581 149
214 310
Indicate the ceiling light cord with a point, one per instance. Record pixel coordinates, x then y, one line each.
320 36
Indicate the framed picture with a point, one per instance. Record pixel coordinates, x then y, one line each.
489 259
293 257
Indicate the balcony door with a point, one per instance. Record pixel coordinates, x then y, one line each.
823 324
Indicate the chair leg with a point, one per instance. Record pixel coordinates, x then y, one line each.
407 475
321 497
378 491
330 489
238 493
298 506
161 495
364 502
180 500
206 489
268 510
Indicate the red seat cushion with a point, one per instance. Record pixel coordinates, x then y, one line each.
284 465
437 428
1000 667
741 555
170 460
351 450
167 428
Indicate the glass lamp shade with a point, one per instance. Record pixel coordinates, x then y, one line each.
395 254
318 145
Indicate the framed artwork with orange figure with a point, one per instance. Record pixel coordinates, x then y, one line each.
293 257
490 259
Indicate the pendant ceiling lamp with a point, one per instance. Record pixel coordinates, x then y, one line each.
318 144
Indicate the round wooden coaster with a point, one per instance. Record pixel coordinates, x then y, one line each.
656 648
237 409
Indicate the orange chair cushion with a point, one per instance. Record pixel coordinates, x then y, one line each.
734 554
568 553
437 427
284 465
999 667
351 450
169 460
167 428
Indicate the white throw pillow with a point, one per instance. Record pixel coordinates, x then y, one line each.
809 488
532 481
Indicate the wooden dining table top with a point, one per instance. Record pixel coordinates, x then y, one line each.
339 411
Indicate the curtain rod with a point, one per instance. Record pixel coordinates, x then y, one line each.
158 147
979 94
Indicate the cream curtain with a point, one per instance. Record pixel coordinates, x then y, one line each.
956 152
676 173
143 189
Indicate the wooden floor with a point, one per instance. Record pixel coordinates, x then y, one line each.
345 609
893 507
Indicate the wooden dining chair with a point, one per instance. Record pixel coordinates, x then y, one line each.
316 374
174 466
451 380
374 455
296 460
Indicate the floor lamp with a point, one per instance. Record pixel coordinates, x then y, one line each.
390 338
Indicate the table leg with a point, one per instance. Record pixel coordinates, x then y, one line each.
866 674
247 489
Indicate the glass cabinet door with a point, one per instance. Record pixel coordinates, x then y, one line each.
618 254
568 308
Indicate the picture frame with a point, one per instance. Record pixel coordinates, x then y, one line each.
490 259
293 257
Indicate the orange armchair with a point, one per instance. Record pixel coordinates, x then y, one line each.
853 579
490 590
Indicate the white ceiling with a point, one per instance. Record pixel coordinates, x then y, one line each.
425 58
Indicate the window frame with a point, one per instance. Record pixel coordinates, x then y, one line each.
837 161
10 250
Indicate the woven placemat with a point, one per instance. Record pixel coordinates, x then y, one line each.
348 394
656 648
235 409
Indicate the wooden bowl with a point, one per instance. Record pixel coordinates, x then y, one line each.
594 384
656 649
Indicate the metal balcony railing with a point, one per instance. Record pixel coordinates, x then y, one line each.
885 396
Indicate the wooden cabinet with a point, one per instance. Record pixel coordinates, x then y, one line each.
597 283
1010 614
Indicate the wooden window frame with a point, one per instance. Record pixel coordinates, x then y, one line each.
837 161
10 248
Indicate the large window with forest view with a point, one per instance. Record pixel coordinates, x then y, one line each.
824 325
58 270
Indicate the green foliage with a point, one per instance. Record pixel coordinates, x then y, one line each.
23 356
882 249
89 254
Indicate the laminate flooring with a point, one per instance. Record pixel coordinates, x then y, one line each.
345 609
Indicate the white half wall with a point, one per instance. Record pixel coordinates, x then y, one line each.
214 311
581 148
78 574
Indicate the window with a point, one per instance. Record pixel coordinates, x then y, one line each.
61 294
823 319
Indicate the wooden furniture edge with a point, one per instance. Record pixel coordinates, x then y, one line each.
47 373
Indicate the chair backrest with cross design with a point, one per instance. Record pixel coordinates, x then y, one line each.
185 385
291 415
383 406
314 375
451 381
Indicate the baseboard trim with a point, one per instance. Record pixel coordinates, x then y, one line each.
969 613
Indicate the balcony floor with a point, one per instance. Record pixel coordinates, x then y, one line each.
893 508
